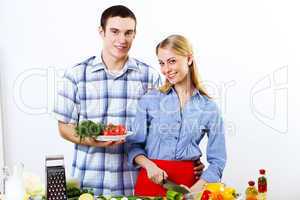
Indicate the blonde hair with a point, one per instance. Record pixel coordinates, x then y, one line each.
182 47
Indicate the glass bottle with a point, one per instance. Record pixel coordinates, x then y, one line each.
262 185
251 191
14 185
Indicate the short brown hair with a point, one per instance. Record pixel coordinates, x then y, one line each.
116 11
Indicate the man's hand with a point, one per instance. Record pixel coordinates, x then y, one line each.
198 169
96 143
67 131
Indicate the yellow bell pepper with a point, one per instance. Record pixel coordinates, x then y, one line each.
214 187
229 193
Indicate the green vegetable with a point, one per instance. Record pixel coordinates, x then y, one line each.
172 195
88 129
73 190
101 197
157 198
73 198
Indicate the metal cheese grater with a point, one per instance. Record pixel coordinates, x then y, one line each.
55 178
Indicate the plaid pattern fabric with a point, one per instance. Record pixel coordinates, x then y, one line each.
88 92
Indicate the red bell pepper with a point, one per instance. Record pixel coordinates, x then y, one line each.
206 194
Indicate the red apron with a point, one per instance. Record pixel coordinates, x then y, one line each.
180 172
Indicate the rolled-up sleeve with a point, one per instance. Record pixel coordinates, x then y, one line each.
216 148
66 105
136 142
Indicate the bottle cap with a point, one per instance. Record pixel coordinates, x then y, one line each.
262 171
251 183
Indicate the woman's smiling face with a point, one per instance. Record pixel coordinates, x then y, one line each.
174 67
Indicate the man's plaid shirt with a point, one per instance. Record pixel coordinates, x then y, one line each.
88 91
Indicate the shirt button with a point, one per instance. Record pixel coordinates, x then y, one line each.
176 138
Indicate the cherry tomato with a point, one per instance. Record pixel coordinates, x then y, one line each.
117 130
122 129
112 129
111 132
105 132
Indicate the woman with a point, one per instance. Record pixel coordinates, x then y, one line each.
171 122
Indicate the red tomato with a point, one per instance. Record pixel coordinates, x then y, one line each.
122 129
105 132
117 130
110 132
111 129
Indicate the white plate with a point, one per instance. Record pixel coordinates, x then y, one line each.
106 138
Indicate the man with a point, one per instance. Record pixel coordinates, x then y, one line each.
105 89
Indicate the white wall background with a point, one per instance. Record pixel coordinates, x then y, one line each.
247 52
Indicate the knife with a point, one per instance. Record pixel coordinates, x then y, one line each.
169 185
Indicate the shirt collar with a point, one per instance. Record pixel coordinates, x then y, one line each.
99 64
195 92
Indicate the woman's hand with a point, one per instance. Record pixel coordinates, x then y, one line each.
198 186
156 174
